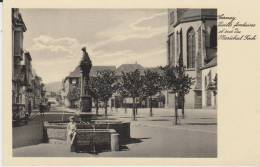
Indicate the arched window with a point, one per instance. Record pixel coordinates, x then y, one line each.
169 50
180 56
191 48
173 46
181 44
213 37
206 82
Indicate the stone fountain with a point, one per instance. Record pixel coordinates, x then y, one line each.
85 98
85 66
90 127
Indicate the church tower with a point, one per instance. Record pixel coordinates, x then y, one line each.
192 34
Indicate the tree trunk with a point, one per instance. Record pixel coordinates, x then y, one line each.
176 110
139 105
123 105
97 107
125 109
134 109
183 107
106 109
151 107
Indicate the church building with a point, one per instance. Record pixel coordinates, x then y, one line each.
192 34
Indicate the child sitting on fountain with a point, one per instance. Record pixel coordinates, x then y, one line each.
71 131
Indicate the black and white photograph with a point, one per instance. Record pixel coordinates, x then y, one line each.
101 82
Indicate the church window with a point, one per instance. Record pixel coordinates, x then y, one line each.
213 37
172 49
191 46
206 82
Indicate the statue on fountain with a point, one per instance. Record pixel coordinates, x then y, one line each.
85 66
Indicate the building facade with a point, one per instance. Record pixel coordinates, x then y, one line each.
192 34
28 84
18 28
24 83
37 89
71 85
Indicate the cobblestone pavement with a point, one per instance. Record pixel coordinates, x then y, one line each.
195 136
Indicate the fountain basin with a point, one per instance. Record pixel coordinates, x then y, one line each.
97 139
122 128
87 117
56 132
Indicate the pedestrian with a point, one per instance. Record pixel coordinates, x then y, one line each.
41 108
49 106
71 131
29 108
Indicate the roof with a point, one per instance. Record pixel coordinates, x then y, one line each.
93 71
75 73
129 68
212 63
155 69
122 68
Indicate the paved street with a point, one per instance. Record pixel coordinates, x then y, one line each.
156 136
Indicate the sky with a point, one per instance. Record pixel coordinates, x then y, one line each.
54 38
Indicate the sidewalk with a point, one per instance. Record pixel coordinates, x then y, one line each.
146 142
155 136
198 119
30 133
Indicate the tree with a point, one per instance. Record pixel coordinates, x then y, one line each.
106 86
178 82
152 85
213 85
122 92
94 90
132 84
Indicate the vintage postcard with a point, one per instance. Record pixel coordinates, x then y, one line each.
131 83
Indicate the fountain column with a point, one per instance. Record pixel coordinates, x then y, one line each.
85 66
